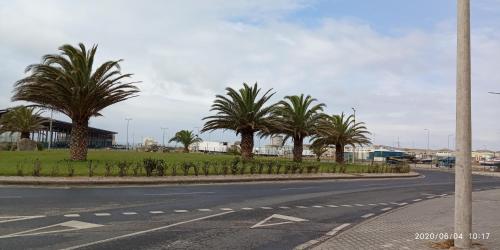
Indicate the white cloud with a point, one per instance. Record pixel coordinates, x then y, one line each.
187 51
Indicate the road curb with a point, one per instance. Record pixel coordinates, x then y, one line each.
14 180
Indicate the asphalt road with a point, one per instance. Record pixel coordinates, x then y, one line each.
219 216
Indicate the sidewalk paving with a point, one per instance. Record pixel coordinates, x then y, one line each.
398 229
79 180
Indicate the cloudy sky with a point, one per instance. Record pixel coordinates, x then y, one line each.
393 60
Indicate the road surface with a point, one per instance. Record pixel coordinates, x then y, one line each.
280 215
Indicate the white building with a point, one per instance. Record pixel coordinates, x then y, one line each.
210 146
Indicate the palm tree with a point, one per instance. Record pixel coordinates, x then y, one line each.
22 119
318 150
242 111
340 131
67 83
296 117
185 137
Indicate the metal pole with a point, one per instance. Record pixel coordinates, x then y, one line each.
163 134
463 134
50 128
128 121
354 147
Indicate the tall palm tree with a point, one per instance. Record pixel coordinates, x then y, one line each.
66 82
296 117
185 137
22 119
242 111
340 131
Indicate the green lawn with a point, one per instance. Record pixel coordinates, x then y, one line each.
55 163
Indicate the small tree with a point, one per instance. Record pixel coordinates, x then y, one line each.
318 150
22 119
186 138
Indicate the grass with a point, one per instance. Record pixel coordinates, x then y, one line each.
105 163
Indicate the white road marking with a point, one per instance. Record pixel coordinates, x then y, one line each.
359 205
156 212
368 215
385 209
417 200
266 208
4 219
226 209
246 208
332 206
71 215
73 225
297 188
301 206
129 213
317 206
426 194
382 203
372 204
181 211
169 194
394 203
430 197
145 231
347 205
102 214
337 229
402 204
289 219
204 210
387 245
284 207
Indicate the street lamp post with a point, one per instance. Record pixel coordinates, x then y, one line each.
463 135
163 135
128 121
428 139
50 128
354 147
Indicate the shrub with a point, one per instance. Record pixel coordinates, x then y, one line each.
37 167
91 168
234 165
108 168
123 167
269 167
196 168
253 167
261 167
161 168
149 165
206 168
136 170
185 168
279 165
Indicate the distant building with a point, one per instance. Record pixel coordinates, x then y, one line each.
61 135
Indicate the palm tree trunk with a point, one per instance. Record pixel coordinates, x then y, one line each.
186 149
297 149
246 145
78 146
25 135
339 153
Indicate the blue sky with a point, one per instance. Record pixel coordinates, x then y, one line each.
394 60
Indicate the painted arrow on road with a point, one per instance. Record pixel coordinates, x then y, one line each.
56 228
288 219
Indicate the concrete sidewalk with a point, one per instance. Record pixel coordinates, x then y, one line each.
399 229
79 180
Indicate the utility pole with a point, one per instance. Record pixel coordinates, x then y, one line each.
128 121
428 138
463 134
50 128
163 133
354 147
